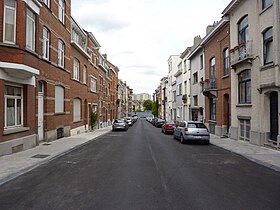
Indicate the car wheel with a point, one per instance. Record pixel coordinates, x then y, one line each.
182 139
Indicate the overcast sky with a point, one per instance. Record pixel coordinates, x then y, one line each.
140 35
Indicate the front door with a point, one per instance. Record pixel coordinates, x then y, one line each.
40 111
274 116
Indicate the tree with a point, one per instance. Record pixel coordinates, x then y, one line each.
155 107
148 104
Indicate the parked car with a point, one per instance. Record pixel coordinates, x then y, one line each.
120 124
153 120
129 121
168 127
192 131
159 122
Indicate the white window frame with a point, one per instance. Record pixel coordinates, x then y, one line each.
85 75
77 110
61 51
245 127
6 97
61 10
93 84
4 23
76 69
47 3
46 44
59 102
30 35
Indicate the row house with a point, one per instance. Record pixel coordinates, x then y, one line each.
173 63
216 85
255 78
50 75
196 68
163 97
124 100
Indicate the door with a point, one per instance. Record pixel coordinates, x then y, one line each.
274 116
40 111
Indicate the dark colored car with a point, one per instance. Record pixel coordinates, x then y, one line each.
159 122
120 124
168 127
192 131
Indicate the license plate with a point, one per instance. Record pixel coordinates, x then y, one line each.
198 137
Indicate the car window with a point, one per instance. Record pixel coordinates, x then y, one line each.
181 124
196 125
119 121
170 122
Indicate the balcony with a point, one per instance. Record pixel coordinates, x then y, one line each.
241 53
209 88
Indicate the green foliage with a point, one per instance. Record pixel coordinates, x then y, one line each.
148 104
93 119
155 107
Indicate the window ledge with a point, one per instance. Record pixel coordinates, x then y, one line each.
15 130
266 8
212 121
78 121
225 76
267 66
9 45
32 52
59 113
93 91
244 105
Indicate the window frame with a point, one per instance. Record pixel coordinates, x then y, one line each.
29 31
46 44
85 74
265 4
93 88
4 23
266 42
77 116
47 3
16 98
61 53
246 90
56 107
245 128
213 109
76 69
226 61
243 32
61 11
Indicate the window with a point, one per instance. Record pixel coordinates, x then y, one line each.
30 30
226 62
179 88
13 106
243 30
213 73
195 101
59 99
93 84
212 102
61 53
76 110
10 21
76 70
47 2
61 10
100 83
266 3
85 75
174 96
245 128
195 78
46 43
201 61
268 46
244 87
109 89
185 65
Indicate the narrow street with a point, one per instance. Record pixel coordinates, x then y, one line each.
144 169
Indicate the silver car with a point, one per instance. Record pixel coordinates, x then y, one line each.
192 131
129 120
120 124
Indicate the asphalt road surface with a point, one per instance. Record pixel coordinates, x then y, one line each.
144 169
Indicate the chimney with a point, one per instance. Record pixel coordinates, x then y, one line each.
197 40
209 28
105 56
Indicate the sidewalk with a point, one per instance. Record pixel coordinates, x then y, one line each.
261 155
12 166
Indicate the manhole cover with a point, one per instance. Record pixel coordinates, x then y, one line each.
40 156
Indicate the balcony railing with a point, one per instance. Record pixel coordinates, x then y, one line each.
209 88
241 53
185 97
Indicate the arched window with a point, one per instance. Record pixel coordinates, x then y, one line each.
59 99
244 87
61 53
268 46
76 70
77 110
243 30
226 61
